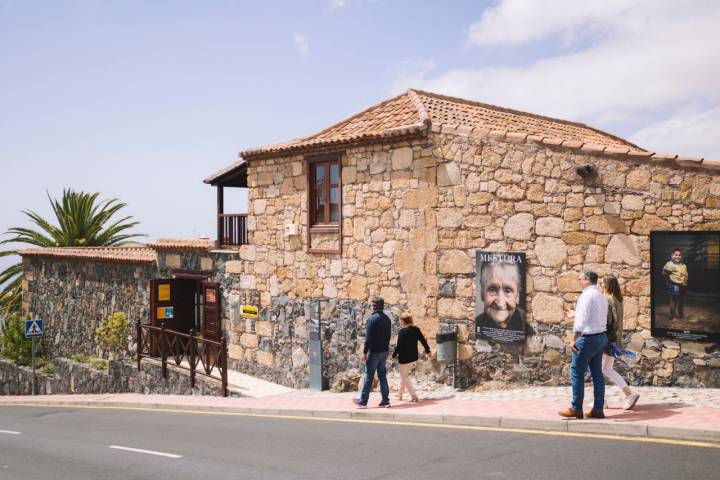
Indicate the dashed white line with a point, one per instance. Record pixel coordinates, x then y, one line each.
11 432
148 452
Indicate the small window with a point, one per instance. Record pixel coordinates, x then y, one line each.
324 198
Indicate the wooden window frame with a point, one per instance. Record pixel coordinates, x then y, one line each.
335 227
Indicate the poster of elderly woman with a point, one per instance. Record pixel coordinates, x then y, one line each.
500 297
685 285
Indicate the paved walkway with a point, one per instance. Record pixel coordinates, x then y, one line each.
689 414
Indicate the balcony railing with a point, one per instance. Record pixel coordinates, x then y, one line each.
232 229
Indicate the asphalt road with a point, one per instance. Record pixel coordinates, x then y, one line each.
75 443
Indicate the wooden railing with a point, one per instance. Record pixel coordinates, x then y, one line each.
232 229
186 350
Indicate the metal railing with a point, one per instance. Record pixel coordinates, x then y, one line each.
232 229
204 357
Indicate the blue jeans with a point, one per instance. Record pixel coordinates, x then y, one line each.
590 354
375 362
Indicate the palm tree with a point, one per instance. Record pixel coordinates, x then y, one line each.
83 221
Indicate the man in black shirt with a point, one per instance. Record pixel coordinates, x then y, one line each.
375 353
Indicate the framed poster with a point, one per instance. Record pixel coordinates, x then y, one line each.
685 285
500 297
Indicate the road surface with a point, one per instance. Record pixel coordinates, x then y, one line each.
90 443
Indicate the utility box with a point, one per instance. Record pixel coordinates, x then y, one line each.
446 347
315 351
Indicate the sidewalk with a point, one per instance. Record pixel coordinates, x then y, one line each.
672 413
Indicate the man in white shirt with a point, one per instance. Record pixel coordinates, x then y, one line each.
588 344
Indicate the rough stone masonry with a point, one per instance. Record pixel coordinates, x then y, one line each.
414 211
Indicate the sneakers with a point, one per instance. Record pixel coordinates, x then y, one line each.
385 404
358 403
630 401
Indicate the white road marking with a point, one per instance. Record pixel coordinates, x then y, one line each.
11 432
149 452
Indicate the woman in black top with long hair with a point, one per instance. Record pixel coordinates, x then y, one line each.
407 353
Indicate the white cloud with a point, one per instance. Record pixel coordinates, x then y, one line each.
338 3
411 73
520 21
643 57
688 132
301 42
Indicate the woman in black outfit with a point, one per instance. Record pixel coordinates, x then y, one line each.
407 353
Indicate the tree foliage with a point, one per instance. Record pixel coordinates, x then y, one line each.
82 220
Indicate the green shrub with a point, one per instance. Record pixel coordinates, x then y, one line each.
14 344
99 364
49 369
96 363
79 358
113 333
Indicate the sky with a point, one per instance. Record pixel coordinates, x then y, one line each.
141 100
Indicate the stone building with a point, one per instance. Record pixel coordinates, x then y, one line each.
396 200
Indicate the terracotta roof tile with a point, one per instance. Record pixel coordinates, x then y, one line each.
416 112
183 244
374 122
98 254
458 111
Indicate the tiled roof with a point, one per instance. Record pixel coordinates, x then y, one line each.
183 244
444 110
416 110
99 254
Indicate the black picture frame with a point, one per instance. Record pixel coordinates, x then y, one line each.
701 251
515 331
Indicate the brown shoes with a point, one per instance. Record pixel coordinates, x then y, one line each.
571 413
594 414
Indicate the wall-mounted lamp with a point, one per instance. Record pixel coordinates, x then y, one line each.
586 171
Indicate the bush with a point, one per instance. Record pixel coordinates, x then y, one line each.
79 358
99 364
49 369
96 363
14 344
113 333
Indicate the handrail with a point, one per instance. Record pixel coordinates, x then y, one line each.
232 229
154 342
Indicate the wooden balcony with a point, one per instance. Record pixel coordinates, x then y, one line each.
232 229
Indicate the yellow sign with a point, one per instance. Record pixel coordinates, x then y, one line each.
164 292
249 312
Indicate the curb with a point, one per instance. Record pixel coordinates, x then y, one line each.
501 423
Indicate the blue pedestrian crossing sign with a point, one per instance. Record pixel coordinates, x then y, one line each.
33 328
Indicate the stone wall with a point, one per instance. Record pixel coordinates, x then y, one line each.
414 213
74 297
78 378
528 198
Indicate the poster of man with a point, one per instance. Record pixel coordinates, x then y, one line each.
685 285
500 297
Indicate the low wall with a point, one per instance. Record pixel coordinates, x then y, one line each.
74 297
71 377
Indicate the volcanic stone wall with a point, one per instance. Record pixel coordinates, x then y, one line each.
73 297
414 214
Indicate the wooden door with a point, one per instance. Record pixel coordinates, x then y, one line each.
161 309
172 302
211 322
211 310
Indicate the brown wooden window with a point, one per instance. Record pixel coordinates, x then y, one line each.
324 200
